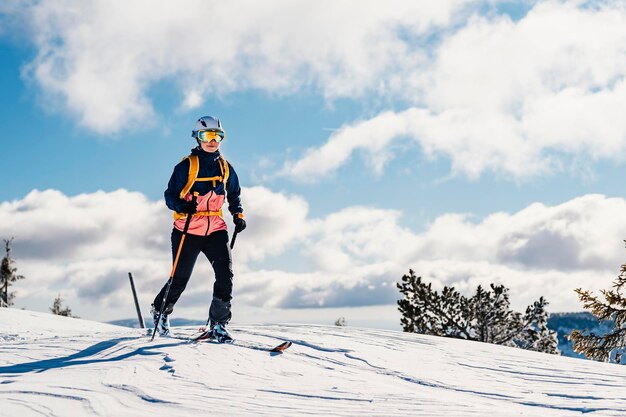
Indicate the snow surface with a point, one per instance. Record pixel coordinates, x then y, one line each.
58 366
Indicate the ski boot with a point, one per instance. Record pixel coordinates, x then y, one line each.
219 333
163 328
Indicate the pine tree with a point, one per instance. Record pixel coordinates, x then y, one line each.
8 275
485 317
609 347
57 308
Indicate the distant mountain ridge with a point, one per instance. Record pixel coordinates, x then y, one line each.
133 323
565 323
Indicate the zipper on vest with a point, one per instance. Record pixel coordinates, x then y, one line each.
208 218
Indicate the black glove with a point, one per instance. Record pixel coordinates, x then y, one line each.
187 207
240 223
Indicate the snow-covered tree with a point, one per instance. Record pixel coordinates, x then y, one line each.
57 308
611 346
485 317
8 275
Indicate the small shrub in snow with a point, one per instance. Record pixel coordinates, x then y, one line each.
341 321
57 308
8 275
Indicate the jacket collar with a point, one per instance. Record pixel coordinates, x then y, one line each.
211 156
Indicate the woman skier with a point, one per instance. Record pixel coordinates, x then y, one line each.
208 175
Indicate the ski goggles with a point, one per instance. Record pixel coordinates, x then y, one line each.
209 135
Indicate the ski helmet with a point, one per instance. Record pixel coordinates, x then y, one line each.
207 123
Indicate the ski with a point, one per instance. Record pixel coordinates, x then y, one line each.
202 336
282 347
206 335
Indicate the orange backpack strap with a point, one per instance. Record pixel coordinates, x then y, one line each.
225 171
194 166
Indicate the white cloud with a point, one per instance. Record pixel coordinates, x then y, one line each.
371 136
360 253
96 225
519 98
276 221
86 244
83 247
101 58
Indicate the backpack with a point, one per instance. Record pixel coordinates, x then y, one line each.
194 167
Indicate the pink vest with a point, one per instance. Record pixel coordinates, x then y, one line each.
204 225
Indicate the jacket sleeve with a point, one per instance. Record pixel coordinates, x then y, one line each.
175 185
233 192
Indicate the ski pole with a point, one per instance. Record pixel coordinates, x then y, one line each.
169 281
139 316
232 241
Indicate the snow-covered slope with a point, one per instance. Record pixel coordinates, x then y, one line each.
53 365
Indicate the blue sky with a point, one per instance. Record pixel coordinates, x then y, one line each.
471 141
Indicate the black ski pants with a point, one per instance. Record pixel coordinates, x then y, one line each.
215 248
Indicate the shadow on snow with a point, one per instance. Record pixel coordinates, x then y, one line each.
83 357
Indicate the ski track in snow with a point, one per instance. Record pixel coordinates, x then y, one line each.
95 369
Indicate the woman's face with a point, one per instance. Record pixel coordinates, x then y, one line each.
211 146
